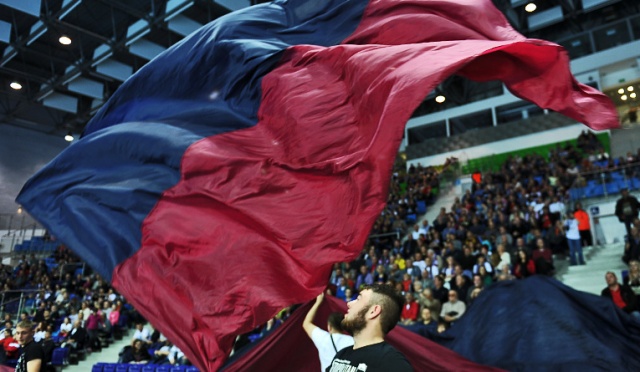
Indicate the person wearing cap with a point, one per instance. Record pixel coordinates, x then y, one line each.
627 209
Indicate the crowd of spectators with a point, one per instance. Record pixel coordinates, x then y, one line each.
512 224
408 188
71 308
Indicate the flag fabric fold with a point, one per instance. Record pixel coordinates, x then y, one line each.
222 180
289 346
540 324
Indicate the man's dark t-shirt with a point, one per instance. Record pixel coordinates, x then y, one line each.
30 351
372 358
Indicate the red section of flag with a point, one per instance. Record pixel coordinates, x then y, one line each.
261 214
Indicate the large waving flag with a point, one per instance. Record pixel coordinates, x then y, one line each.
222 180
540 324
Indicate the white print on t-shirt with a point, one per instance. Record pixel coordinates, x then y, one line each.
341 365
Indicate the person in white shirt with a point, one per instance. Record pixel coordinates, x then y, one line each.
557 206
573 239
66 326
142 333
327 343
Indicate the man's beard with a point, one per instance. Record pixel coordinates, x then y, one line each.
357 324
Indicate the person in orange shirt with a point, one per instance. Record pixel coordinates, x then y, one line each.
584 225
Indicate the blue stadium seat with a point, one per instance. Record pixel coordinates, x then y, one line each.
58 357
149 368
635 183
178 369
135 368
122 368
109 368
594 191
163 368
192 369
421 207
411 218
97 368
612 188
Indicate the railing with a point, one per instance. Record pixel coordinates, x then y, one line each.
605 181
21 296
602 38
77 265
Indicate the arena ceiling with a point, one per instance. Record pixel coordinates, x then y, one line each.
62 86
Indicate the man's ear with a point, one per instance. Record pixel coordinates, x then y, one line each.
374 311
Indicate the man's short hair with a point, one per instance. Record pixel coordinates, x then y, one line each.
25 324
335 321
391 302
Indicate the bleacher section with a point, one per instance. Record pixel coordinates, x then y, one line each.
37 244
121 367
608 183
481 136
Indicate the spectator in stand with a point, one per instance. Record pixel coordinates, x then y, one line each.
557 238
364 278
142 333
440 293
65 327
453 309
543 258
621 295
573 239
10 345
380 276
136 354
426 300
524 266
93 325
482 261
8 325
632 246
487 278
461 286
48 345
39 332
584 225
627 209
32 356
410 310
474 291
77 337
503 258
633 277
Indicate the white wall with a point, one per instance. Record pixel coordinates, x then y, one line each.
605 224
500 147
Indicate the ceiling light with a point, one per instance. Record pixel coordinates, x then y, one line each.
68 137
624 97
630 88
530 8
621 91
632 95
64 40
15 85
440 99
19 210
